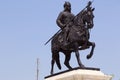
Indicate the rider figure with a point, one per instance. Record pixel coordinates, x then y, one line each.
64 21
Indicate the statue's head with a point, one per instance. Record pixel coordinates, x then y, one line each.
67 6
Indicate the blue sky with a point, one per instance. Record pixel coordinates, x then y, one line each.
25 25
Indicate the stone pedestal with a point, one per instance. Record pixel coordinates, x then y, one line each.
80 74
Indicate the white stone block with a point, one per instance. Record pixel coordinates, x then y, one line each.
80 74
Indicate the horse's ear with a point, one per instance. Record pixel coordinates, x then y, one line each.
93 9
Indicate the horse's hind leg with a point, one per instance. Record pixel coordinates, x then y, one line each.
92 50
55 58
67 59
52 65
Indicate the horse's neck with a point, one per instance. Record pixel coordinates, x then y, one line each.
79 24
78 20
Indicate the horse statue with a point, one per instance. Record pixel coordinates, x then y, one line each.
78 37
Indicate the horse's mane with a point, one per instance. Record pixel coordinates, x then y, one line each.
78 18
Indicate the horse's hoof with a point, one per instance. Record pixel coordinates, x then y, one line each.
88 57
82 66
51 73
70 68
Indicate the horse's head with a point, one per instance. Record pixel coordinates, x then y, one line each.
88 17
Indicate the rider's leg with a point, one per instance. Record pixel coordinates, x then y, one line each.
65 39
65 36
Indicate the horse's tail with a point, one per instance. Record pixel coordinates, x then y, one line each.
55 57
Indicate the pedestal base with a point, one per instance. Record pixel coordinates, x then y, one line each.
80 74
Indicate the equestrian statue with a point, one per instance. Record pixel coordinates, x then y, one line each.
73 35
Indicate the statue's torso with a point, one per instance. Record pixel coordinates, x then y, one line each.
66 17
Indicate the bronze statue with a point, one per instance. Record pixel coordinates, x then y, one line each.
74 35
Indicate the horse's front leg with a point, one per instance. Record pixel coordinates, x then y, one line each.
92 50
78 59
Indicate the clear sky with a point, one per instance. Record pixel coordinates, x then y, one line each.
25 25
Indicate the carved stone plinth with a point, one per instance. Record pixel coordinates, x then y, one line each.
80 74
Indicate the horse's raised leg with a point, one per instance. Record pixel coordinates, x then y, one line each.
67 59
55 58
78 59
92 50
